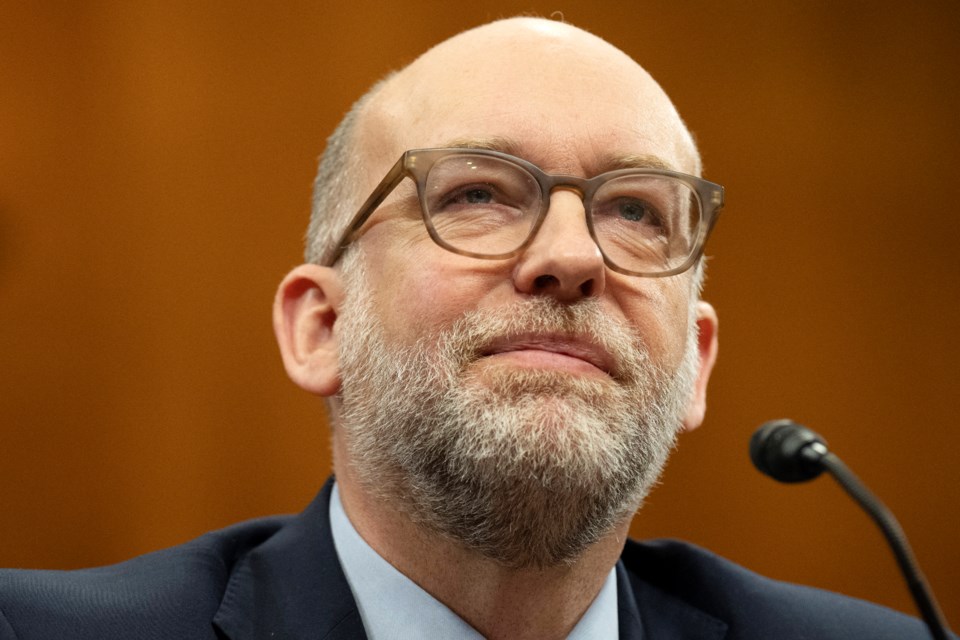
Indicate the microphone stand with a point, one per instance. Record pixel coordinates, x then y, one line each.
922 596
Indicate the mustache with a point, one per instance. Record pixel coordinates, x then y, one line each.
584 325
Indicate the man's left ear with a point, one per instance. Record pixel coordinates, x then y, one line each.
707 350
304 312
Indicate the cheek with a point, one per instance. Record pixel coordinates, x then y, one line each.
660 312
423 290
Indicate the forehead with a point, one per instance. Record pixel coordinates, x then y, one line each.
567 101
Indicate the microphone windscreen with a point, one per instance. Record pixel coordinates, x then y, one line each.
778 450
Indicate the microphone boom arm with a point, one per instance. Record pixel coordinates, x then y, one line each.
892 531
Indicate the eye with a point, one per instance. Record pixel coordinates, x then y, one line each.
634 210
477 196
469 195
477 185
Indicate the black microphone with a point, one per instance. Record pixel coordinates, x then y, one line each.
789 452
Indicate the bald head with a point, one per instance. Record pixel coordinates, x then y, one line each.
529 76
547 91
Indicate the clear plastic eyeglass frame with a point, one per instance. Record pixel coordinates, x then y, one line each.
417 163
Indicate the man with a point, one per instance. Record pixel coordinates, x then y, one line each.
509 334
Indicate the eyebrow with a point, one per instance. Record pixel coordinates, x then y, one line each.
635 161
610 162
492 143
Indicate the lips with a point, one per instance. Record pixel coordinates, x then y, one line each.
552 351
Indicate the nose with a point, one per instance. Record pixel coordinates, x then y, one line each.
562 260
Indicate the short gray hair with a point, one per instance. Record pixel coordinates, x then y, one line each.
335 196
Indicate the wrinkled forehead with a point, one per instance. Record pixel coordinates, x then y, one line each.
568 100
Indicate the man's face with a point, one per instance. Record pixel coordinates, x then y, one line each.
529 401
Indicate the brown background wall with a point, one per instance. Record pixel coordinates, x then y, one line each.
155 163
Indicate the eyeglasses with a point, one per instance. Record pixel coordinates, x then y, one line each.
489 205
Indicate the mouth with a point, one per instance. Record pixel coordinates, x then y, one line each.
572 354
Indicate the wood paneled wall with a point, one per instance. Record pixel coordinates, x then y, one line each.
155 166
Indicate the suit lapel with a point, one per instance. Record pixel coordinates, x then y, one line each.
648 613
292 586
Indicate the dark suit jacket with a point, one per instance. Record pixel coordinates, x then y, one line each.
280 578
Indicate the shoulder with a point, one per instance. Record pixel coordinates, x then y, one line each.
161 594
753 606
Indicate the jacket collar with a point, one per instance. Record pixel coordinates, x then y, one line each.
665 616
292 587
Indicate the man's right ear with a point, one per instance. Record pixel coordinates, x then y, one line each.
304 312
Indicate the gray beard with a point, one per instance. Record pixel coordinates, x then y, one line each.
526 467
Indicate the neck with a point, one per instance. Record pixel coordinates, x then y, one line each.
498 601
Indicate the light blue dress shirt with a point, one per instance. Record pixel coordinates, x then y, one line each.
393 607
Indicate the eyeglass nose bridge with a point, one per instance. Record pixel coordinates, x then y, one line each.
583 187
566 186
550 184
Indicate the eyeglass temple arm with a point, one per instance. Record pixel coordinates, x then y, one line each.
380 193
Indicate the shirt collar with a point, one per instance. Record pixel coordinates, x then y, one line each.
393 607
